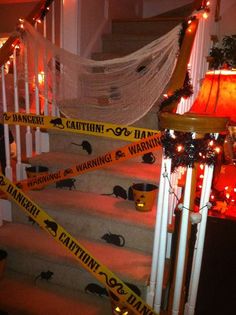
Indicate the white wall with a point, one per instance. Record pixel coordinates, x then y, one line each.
155 7
227 24
92 24
84 21
125 8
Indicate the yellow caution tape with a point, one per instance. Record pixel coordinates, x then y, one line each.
93 128
91 264
121 154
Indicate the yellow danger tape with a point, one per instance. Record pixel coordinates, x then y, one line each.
91 264
124 153
93 128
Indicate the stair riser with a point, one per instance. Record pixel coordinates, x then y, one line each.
62 141
68 275
94 227
144 27
124 46
99 145
102 182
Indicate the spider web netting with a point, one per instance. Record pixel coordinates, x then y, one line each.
119 91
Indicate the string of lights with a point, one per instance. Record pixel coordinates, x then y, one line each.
195 216
185 150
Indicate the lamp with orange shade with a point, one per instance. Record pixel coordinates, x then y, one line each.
217 96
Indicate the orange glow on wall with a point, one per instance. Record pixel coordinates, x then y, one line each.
217 96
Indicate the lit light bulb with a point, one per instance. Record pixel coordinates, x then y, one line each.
41 77
179 148
205 15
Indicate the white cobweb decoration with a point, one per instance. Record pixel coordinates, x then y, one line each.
119 91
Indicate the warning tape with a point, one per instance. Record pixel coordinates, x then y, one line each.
93 128
121 154
91 264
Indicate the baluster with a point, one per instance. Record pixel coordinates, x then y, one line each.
156 243
8 169
54 107
28 136
45 78
16 105
163 238
61 24
37 102
182 243
199 245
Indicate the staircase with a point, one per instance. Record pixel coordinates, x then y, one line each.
108 225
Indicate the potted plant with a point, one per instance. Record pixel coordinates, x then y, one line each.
223 55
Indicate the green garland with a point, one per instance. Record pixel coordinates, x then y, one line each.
186 91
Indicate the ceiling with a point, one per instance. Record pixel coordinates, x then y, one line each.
16 1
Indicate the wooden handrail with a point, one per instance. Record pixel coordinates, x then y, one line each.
179 74
7 49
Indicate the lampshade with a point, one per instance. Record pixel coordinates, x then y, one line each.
217 96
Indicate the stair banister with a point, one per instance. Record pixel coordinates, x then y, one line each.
178 77
7 49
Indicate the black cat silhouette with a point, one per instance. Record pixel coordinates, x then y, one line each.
57 122
69 182
115 239
149 158
130 193
51 226
85 146
44 275
118 191
94 288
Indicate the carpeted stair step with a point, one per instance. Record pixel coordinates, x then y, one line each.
154 26
101 181
32 251
19 295
92 216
